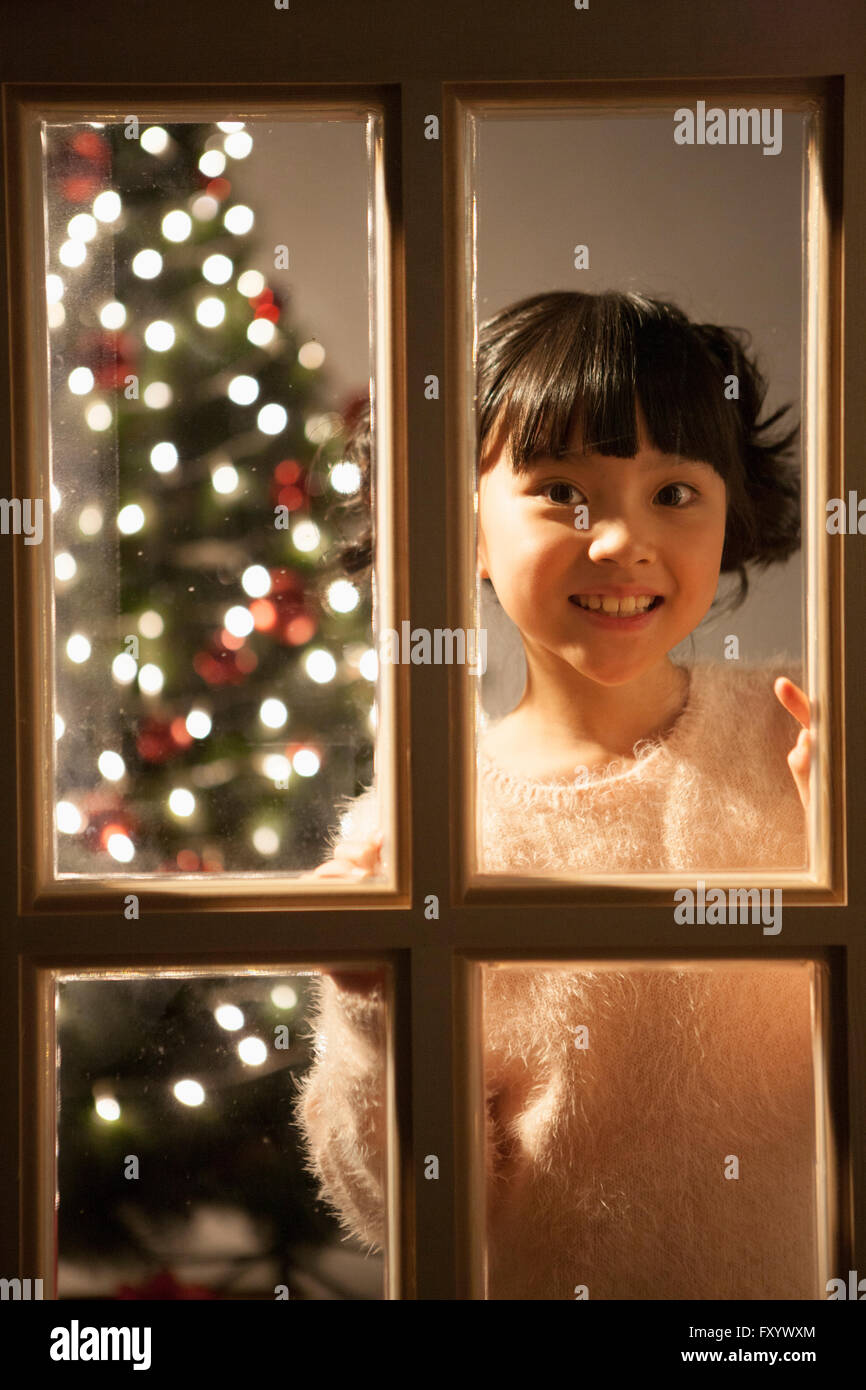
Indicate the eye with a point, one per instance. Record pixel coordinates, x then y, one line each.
559 493
681 488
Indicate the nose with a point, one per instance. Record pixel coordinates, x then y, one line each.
624 542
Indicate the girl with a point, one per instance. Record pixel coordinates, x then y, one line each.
621 470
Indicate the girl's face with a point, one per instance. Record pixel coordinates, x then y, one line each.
654 526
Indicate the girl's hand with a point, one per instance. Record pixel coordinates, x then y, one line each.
800 757
358 859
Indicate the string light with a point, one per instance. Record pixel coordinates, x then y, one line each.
217 269
189 1092
99 417
229 1016
154 139
147 264
107 206
273 714
243 390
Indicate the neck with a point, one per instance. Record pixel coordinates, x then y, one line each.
568 711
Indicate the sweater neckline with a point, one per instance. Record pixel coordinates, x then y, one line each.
646 751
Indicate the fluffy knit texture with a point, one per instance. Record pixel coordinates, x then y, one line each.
606 1163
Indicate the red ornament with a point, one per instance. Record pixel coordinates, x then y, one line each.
80 188
219 188
154 742
91 145
287 471
221 667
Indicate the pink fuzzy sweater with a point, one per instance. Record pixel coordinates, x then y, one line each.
611 1152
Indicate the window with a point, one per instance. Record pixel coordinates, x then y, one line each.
247 921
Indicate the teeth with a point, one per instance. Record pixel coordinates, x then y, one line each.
622 607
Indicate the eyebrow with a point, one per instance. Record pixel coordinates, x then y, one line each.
648 466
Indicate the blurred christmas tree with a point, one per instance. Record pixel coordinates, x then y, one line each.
238 656
180 1172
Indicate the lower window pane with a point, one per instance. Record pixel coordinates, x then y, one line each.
653 1132
201 1122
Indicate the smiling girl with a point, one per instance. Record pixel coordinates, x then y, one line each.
622 470
615 412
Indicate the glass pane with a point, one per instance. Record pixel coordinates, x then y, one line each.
212 292
202 1126
640 319
653 1131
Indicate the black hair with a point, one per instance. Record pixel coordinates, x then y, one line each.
566 360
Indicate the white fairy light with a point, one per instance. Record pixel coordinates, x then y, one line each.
120 847
210 312
147 264
320 666
238 621
112 315
256 581
98 417
311 355
111 765
252 1051
243 390
229 1016
124 668
150 679
225 479
181 802
266 840
251 283
72 254
80 381
217 269
239 219
107 206
198 723
159 335
163 457
151 624
64 566
130 519
78 648
342 596
176 225
272 419
189 1092
273 713
154 139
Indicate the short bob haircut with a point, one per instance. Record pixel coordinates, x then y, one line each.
568 361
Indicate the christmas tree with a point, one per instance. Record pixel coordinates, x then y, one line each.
215 664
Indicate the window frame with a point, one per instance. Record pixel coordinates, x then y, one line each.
436 995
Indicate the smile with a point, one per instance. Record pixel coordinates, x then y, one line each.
617 607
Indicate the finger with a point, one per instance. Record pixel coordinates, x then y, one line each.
795 700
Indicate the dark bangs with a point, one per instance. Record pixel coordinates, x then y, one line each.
567 361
